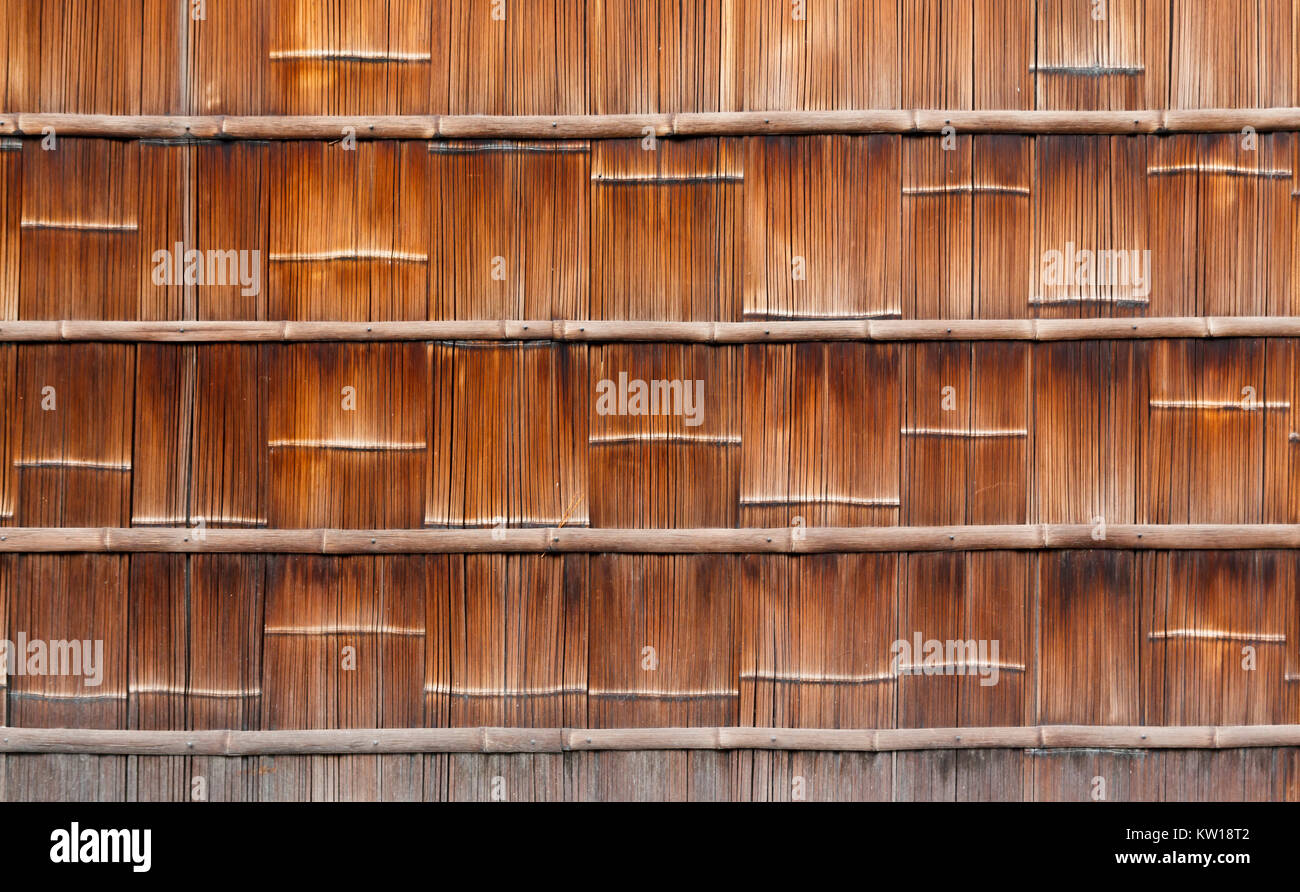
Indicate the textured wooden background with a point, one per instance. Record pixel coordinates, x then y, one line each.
471 434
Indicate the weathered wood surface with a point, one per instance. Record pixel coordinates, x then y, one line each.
556 740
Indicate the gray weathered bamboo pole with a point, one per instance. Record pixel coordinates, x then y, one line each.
556 740
777 540
684 124
598 331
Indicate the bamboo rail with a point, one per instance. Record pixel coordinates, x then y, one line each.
560 540
559 740
745 123
603 331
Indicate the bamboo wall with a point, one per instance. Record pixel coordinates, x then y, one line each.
244 430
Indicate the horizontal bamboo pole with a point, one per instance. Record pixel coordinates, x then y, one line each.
749 123
558 740
775 540
602 331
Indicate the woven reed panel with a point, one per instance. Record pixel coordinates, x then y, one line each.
617 56
757 228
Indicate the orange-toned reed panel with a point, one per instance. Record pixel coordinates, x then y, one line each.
477 435
616 56
708 229
170 642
